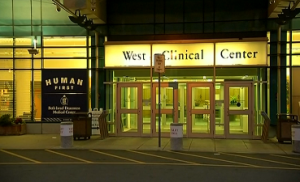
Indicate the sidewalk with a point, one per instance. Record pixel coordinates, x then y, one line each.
52 141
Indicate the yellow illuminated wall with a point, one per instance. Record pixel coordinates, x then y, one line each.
71 54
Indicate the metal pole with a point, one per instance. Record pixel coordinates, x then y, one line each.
279 69
159 113
87 66
32 87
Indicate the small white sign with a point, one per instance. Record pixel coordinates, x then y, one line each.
95 121
296 134
176 132
66 130
159 63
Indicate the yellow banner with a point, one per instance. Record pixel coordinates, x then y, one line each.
187 55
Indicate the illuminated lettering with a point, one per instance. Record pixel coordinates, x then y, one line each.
64 80
55 80
79 82
225 54
173 55
130 55
72 81
48 82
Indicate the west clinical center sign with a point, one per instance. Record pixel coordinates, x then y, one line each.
194 54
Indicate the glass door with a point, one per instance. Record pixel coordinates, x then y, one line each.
238 110
200 109
146 126
129 109
169 101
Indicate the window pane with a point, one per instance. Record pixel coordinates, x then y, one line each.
65 63
22 94
36 12
23 42
6 12
6 53
6 41
37 95
64 41
6 64
23 53
22 63
6 92
37 64
64 52
22 12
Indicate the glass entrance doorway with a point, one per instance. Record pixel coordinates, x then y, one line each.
200 99
129 109
238 110
168 101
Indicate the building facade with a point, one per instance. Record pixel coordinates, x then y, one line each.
223 65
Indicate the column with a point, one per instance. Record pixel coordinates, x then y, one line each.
278 101
181 102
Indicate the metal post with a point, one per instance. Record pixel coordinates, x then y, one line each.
33 52
159 113
88 65
32 87
278 69
97 70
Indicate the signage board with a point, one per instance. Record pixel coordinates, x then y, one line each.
64 92
176 131
127 55
182 55
241 53
188 55
159 63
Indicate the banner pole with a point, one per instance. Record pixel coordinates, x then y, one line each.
159 113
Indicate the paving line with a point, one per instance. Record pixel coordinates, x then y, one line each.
20 156
153 155
116 156
17 163
65 155
284 163
285 157
210 158
130 163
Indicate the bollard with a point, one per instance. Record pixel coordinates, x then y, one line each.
66 134
296 138
176 135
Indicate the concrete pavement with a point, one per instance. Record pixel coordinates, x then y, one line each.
53 141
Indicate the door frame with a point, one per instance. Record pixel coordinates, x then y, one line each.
248 112
191 111
137 111
155 111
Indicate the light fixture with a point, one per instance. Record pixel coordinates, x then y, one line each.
287 14
34 43
82 21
